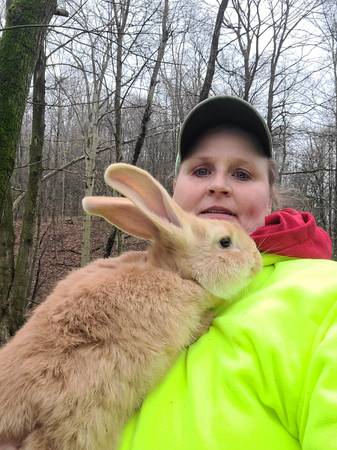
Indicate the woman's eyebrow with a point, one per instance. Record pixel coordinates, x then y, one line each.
194 161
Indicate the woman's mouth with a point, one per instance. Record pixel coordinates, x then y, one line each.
217 212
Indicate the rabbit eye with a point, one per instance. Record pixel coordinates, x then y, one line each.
225 242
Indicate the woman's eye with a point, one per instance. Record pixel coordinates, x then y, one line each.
242 175
201 172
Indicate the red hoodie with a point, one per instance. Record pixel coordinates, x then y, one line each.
293 233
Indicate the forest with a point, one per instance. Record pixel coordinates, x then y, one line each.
85 83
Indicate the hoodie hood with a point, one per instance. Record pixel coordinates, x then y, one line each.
293 233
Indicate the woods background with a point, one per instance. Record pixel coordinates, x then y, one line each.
90 82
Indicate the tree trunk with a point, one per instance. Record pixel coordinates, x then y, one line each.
18 53
20 289
90 176
148 107
6 262
334 57
110 243
206 87
121 15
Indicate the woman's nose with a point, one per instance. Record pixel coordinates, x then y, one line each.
219 185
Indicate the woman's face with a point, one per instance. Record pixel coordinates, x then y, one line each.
225 178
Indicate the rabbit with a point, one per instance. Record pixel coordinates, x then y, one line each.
107 334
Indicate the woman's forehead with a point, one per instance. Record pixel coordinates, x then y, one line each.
226 149
234 136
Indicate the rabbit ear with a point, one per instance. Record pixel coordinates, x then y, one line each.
122 213
142 189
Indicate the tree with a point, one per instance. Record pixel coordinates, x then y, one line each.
23 267
153 81
19 47
213 52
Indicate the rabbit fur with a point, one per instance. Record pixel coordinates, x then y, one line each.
84 361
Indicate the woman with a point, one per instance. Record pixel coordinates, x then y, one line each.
265 375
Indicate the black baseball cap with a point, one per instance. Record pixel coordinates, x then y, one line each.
222 110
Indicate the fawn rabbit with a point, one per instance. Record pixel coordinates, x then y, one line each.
83 362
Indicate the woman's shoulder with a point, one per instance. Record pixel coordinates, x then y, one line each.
315 277
288 302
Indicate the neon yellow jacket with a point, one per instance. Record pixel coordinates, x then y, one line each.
264 377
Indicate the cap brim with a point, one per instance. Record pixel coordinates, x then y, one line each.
223 110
